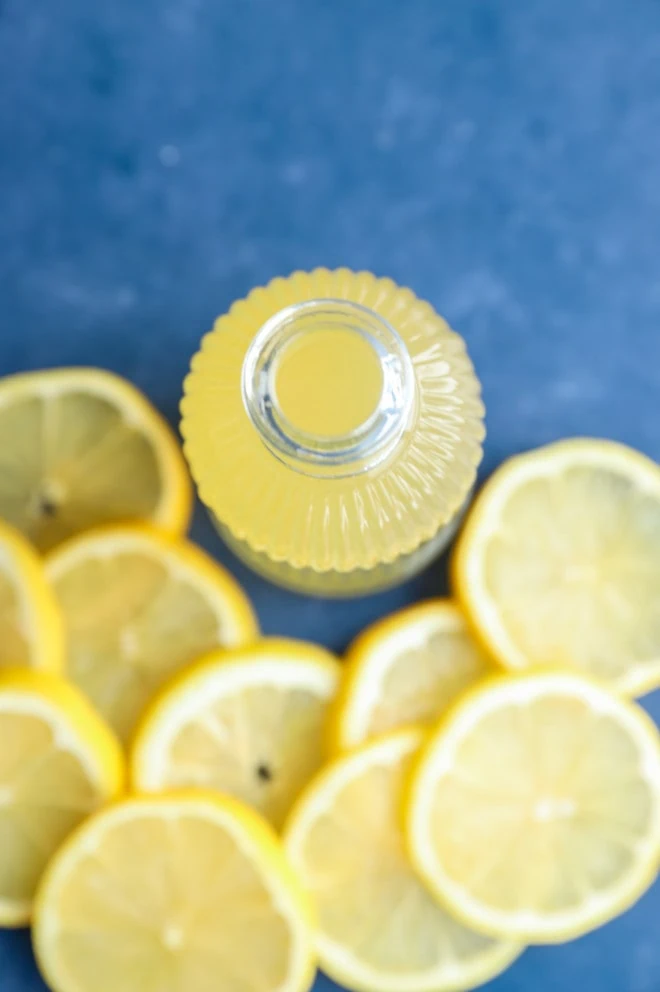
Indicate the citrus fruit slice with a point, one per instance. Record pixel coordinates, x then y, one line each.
138 607
58 763
31 629
534 811
559 563
406 669
185 891
379 929
81 447
249 722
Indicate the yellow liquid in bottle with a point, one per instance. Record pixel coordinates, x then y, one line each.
333 423
336 400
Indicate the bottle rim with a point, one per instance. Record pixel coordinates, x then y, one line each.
371 442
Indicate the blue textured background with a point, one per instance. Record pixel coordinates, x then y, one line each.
158 158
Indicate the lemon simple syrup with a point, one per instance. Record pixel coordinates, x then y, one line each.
333 424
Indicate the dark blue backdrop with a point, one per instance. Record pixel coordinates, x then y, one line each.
158 158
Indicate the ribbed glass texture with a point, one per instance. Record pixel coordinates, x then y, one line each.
325 511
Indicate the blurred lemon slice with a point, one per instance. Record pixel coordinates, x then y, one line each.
249 722
31 630
140 606
81 447
559 563
534 810
406 669
379 929
58 763
188 892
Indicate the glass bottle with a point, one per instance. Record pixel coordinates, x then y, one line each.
334 426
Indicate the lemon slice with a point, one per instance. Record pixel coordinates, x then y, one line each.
31 629
58 763
534 811
186 892
559 563
249 722
379 929
406 669
138 607
81 447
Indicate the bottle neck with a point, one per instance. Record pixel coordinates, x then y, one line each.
329 386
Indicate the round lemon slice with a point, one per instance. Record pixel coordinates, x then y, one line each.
81 447
31 629
534 810
249 722
559 563
58 763
379 929
406 669
138 607
186 891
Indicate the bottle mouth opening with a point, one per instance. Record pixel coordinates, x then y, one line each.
329 386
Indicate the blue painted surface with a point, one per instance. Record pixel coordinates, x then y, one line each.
158 159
